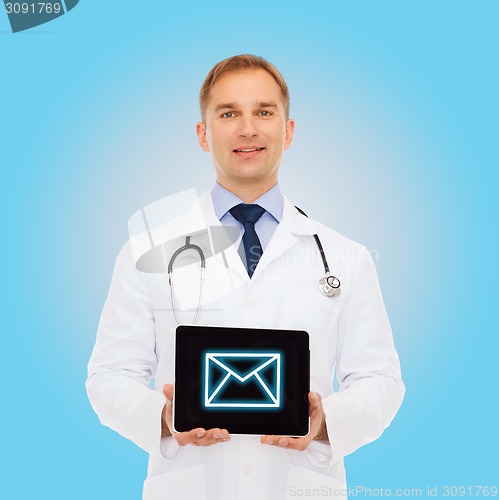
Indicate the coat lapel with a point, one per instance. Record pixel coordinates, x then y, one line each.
292 225
225 272
230 255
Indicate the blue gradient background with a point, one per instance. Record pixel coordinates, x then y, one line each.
395 146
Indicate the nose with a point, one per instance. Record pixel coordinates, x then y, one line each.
247 127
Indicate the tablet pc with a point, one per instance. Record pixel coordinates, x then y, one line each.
245 380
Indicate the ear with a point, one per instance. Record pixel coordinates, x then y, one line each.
201 133
290 130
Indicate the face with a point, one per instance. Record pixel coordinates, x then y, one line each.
245 129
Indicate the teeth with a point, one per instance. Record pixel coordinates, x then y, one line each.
248 150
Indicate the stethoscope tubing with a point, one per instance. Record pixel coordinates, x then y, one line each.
329 285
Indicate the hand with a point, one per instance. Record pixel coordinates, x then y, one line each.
317 428
196 437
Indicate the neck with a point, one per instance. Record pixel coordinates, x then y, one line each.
248 192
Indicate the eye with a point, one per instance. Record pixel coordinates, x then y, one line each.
265 113
228 114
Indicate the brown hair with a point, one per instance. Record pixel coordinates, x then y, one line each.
243 62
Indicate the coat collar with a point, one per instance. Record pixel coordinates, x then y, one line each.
296 222
286 236
292 220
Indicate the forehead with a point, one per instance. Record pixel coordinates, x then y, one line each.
245 87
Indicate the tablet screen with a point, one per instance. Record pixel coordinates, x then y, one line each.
248 381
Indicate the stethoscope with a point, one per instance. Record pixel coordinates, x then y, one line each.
329 285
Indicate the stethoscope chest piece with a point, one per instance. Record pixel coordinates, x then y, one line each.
330 286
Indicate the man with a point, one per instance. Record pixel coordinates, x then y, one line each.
246 127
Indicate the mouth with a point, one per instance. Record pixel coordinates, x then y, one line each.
247 150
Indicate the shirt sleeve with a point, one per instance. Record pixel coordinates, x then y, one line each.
367 368
123 362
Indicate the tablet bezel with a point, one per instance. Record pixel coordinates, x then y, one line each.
291 419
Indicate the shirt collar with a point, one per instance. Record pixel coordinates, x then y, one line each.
223 200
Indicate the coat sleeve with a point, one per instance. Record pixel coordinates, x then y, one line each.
367 367
123 361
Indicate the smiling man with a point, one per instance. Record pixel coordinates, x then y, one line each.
245 128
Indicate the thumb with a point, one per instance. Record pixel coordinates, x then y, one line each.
315 400
168 392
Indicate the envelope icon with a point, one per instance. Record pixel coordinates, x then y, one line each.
242 380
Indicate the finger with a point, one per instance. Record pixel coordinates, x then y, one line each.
275 440
315 400
269 439
213 436
168 392
208 442
298 444
286 442
190 437
221 434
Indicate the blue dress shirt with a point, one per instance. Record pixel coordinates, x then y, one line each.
272 201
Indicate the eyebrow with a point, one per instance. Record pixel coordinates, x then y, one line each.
270 104
223 105
233 105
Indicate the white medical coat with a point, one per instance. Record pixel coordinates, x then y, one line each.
350 338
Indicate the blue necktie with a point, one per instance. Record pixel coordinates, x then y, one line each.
247 215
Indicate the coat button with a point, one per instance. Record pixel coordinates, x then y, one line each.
248 469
